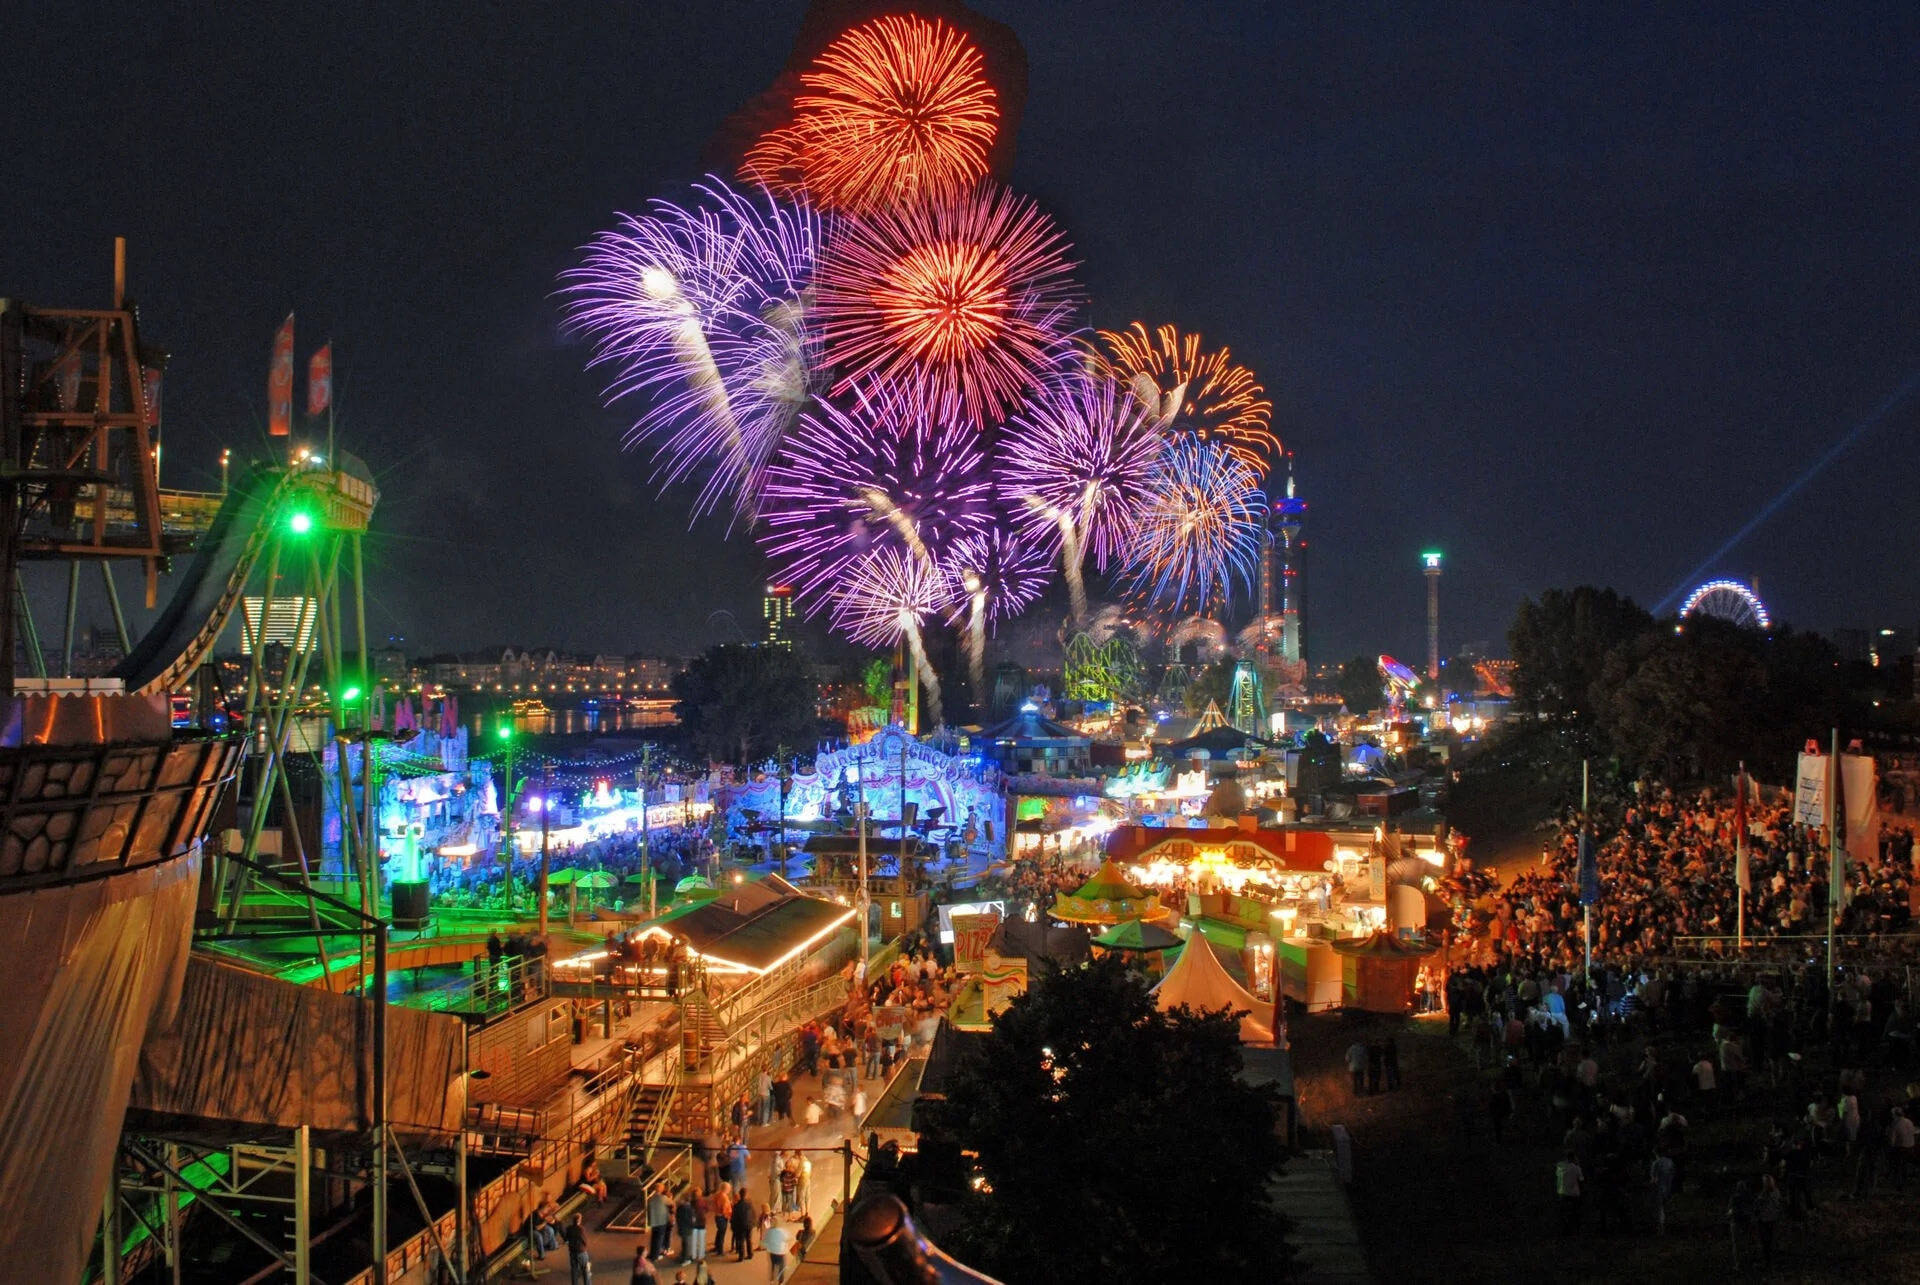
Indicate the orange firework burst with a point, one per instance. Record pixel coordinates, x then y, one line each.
1204 391
969 298
897 109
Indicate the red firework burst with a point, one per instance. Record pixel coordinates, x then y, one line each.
969 298
898 109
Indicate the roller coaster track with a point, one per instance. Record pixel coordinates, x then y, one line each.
242 533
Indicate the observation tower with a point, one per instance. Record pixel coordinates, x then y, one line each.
1289 517
1431 561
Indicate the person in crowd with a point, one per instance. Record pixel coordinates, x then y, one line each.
745 1219
659 1222
776 1240
1569 1182
579 1259
1743 1220
720 1205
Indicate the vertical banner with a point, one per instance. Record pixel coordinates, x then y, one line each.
1860 795
280 383
320 380
1810 791
1742 869
1376 878
971 936
69 387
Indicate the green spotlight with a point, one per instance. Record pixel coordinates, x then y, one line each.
504 731
300 523
350 695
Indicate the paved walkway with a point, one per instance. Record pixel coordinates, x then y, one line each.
613 1251
1324 1232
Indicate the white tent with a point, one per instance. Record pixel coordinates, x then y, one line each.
1201 982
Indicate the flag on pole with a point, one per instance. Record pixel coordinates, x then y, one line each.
1742 876
150 391
1589 869
280 383
69 387
320 379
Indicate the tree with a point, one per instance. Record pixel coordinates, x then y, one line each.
1697 702
738 702
1561 643
1361 688
1115 1142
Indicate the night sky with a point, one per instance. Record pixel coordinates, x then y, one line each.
1570 292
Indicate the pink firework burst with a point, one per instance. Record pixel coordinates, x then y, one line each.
969 297
889 470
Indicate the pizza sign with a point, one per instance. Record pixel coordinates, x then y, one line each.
971 936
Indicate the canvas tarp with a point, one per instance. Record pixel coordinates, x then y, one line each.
248 1051
92 966
1200 982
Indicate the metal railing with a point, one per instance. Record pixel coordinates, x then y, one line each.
489 988
656 1125
753 1030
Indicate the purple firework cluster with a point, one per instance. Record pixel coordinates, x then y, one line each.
899 403
890 471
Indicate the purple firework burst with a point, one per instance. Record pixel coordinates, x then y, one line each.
996 573
885 595
701 312
889 470
1077 460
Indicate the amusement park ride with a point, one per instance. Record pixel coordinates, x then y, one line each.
108 810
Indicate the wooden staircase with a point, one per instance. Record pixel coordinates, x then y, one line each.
701 1031
647 1121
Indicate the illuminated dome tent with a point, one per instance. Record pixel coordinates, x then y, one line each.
1108 898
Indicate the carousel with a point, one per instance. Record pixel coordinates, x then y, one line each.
1107 899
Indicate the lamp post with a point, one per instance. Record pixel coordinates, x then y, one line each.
860 820
462 1215
546 812
505 733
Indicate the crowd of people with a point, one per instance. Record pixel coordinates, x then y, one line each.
672 852
1814 1078
1666 864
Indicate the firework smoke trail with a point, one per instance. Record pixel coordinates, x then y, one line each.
968 299
702 313
889 470
884 596
990 578
1077 459
896 109
1200 530
1200 390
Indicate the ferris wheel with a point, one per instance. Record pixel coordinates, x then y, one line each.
1727 600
